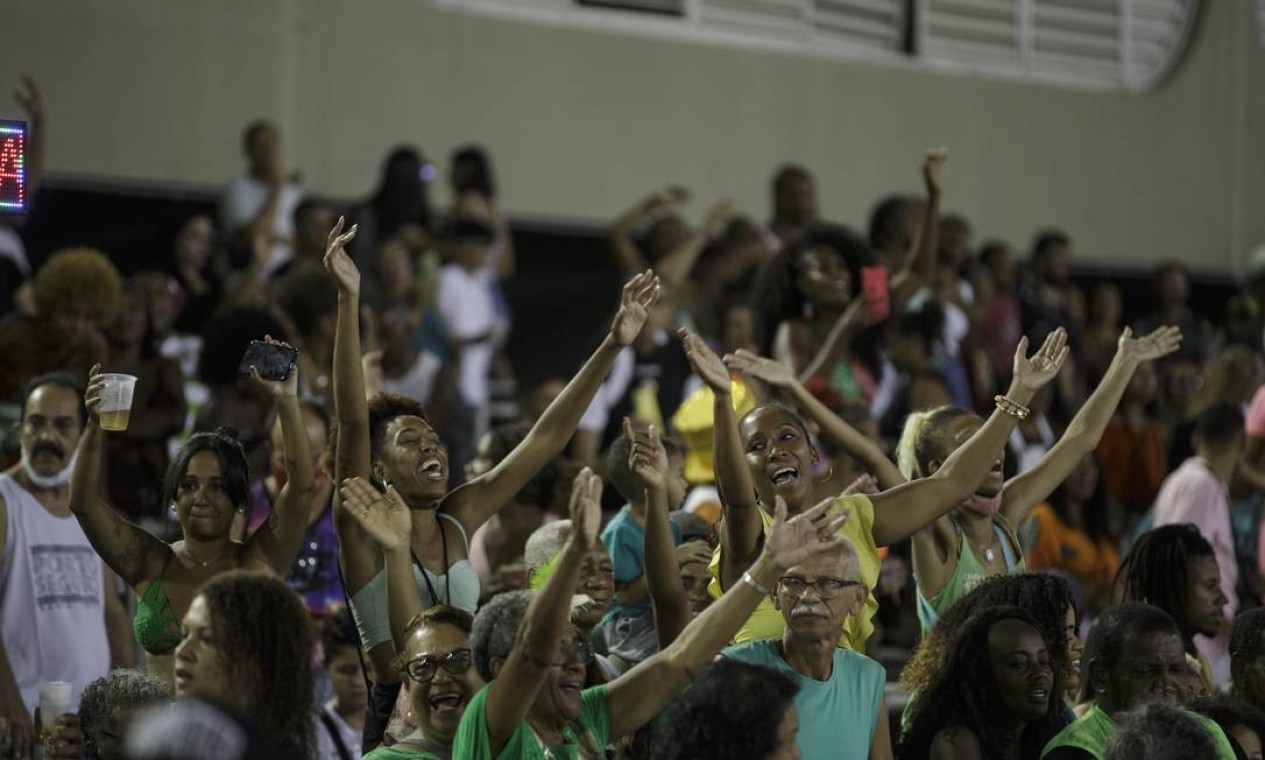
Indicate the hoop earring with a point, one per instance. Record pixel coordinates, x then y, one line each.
830 473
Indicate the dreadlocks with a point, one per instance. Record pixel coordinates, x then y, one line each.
962 693
1156 571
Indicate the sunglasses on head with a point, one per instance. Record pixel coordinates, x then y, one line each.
423 669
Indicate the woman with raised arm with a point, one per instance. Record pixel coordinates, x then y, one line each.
206 487
533 706
976 538
768 455
389 440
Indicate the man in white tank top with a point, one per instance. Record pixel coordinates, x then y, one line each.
54 599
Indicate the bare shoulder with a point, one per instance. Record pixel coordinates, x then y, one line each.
955 743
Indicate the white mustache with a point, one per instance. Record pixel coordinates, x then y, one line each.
819 610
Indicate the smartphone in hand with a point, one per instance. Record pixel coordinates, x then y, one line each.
273 360
878 303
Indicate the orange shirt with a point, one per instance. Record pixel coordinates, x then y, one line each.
1133 464
1052 544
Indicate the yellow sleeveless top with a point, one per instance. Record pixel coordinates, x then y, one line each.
767 623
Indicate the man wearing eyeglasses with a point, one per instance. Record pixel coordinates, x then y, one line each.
840 696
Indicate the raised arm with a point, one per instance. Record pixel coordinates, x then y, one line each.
515 687
649 462
132 553
838 343
644 692
385 517
741 530
357 553
1026 491
919 267
903 511
279 544
776 375
675 267
627 256
474 503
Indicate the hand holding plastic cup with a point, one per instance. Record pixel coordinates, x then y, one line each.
116 401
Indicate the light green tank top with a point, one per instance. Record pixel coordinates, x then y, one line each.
966 575
1092 733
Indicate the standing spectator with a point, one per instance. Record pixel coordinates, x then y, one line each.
340 720
1105 310
794 202
1132 454
1044 292
262 201
200 283
58 608
399 208
1172 307
76 295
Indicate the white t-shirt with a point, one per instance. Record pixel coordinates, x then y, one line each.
243 201
469 310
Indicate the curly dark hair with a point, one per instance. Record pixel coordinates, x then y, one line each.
1229 711
962 694
1160 732
1247 641
1156 572
224 443
385 407
1045 597
733 710
1113 628
265 647
225 337
440 614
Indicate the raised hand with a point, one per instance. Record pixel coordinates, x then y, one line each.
1157 345
646 457
92 397
932 168
28 98
586 508
287 388
385 517
67 740
717 218
805 535
866 484
671 195
772 373
1044 366
639 295
707 365
337 262
693 551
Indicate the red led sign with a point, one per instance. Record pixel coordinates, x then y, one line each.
13 198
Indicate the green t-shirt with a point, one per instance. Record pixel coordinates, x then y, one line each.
401 753
586 737
1092 733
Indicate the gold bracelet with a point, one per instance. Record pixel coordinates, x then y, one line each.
1012 407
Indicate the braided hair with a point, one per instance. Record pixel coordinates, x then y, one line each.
963 694
1156 571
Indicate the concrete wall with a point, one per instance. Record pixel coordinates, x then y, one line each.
582 122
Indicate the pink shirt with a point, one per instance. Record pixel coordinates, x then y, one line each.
1255 418
1194 494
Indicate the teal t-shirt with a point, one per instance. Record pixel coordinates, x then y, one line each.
837 716
586 737
401 753
625 541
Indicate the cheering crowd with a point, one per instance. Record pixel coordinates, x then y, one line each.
815 493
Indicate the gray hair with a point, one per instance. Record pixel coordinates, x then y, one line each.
545 543
495 629
118 690
1160 732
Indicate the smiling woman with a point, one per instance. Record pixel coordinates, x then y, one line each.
206 487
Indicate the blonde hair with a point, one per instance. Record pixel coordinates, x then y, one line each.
921 432
81 277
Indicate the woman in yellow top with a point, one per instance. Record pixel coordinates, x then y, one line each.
769 456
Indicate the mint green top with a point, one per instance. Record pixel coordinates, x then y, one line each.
967 574
401 753
584 739
1092 733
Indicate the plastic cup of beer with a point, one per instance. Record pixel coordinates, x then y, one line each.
116 401
54 703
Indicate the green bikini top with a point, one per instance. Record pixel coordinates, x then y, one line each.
156 625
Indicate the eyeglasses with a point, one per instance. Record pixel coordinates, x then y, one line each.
581 650
423 669
826 588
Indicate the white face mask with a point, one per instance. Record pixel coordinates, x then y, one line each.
48 482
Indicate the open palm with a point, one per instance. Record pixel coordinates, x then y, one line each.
768 371
1157 345
586 507
385 517
707 365
639 295
805 535
337 262
1044 365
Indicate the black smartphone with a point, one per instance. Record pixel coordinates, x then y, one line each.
272 361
